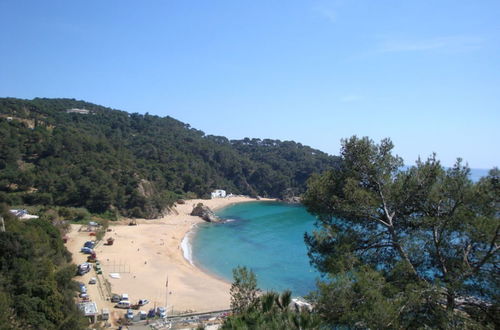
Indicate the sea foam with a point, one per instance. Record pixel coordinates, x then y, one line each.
186 246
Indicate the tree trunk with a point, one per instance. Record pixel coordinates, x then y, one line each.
402 253
450 301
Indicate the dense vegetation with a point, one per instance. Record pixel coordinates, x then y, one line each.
267 311
36 290
137 165
414 248
399 248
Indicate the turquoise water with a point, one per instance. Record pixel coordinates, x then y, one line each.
267 237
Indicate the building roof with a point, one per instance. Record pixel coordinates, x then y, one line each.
23 214
76 110
89 308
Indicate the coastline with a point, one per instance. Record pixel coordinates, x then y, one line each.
146 254
215 205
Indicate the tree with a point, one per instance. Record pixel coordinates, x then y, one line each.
270 310
403 248
36 290
244 289
98 161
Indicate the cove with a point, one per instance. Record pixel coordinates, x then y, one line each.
267 237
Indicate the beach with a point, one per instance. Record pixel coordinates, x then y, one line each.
150 261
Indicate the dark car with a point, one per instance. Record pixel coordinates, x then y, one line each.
86 250
89 244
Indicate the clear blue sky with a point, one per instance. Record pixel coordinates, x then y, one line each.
424 73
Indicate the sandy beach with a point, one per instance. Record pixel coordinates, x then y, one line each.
146 254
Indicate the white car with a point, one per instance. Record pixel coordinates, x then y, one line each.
130 314
93 280
123 304
143 302
161 312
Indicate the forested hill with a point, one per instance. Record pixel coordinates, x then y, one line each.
138 165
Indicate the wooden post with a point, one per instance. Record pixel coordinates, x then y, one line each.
166 299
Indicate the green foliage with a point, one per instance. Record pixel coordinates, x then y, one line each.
36 287
136 164
244 289
76 214
268 311
404 248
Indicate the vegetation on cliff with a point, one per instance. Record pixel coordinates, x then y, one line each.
36 287
137 165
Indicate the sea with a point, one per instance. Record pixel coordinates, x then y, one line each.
267 237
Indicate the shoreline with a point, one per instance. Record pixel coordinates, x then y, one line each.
186 241
188 236
147 254
187 245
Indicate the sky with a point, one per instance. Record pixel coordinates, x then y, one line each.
425 73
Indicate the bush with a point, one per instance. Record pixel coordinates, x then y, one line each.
38 198
11 199
81 214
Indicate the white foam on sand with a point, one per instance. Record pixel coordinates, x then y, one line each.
186 246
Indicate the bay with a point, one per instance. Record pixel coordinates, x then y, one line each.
267 237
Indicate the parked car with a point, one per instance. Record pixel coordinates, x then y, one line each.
161 312
142 315
83 289
123 304
115 298
124 296
130 314
89 244
93 280
84 268
143 302
105 314
151 313
86 250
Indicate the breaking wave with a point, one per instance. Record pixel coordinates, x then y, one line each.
187 251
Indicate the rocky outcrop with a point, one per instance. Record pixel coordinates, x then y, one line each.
146 188
205 213
291 196
292 200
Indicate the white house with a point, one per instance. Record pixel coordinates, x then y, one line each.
218 193
80 111
23 214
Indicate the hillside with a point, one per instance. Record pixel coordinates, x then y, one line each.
36 287
111 161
